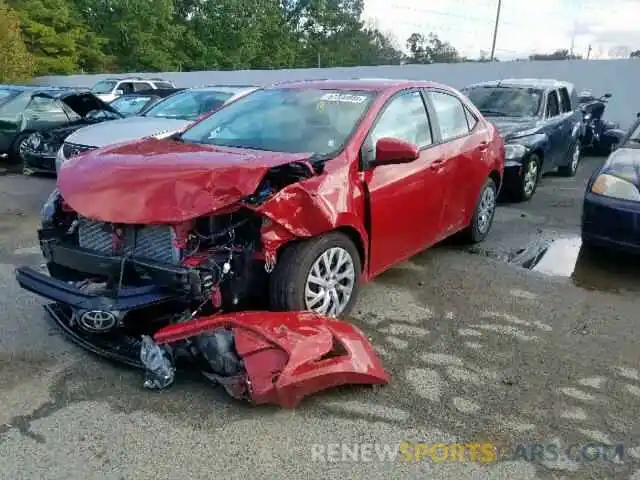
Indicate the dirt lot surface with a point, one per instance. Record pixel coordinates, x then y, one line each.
480 349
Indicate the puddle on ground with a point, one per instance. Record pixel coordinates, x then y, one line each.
565 257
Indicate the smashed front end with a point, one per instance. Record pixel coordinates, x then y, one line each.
156 295
196 267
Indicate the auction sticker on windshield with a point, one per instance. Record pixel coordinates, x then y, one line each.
343 98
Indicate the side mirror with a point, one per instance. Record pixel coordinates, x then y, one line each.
606 95
391 151
119 92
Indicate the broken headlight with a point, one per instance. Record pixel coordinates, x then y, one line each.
38 143
48 211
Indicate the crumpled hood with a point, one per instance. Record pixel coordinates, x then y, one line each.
125 130
624 163
512 126
162 181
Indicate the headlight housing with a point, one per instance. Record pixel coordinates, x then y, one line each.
615 187
48 211
514 151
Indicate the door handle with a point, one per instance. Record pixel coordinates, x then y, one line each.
484 145
436 164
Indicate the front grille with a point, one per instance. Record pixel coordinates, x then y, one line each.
150 242
72 149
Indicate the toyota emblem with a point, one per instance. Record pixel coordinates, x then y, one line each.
98 321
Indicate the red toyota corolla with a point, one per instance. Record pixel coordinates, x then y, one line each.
306 188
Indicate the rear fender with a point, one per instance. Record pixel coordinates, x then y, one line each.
290 355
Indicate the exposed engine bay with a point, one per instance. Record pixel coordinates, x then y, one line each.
161 296
211 264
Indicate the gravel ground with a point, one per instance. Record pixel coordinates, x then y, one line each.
480 350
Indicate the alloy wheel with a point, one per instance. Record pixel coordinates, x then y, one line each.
486 209
330 282
530 177
575 158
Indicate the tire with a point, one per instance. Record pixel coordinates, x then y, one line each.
288 282
482 219
571 168
524 191
14 152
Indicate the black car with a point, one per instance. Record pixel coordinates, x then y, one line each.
135 103
541 126
49 118
15 126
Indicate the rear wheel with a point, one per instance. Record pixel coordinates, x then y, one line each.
483 216
571 168
320 274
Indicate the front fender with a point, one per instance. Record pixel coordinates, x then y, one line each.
300 212
535 142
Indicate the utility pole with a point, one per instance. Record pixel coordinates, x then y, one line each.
589 52
495 31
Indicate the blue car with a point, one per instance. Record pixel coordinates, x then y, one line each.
611 210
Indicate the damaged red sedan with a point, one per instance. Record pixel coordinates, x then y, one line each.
296 193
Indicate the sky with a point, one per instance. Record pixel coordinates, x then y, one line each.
526 26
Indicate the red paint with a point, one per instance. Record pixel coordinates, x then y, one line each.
290 355
391 151
395 210
162 181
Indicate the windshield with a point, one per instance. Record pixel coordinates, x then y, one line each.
508 102
189 105
102 87
285 120
130 105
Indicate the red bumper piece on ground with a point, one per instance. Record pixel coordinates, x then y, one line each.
289 355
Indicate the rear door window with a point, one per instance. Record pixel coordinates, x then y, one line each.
452 116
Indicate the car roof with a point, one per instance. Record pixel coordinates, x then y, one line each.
541 83
62 93
158 92
367 84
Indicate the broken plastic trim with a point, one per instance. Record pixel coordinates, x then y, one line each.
160 371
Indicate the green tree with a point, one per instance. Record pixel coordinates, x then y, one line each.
59 40
17 62
141 35
430 49
635 54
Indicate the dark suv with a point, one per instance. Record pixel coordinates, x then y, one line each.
541 126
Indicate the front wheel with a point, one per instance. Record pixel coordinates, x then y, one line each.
529 180
484 213
321 274
17 149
